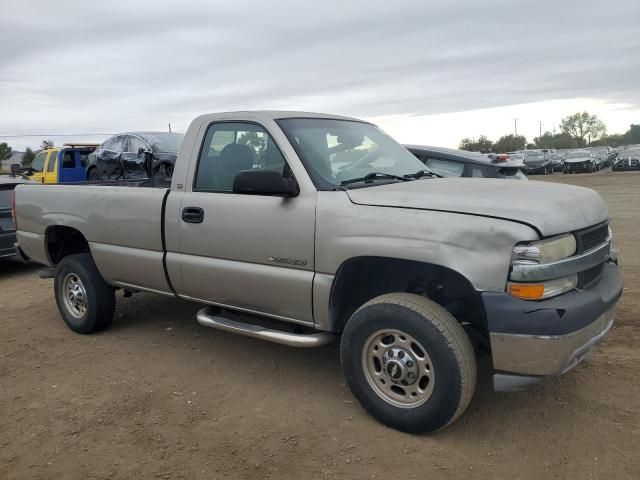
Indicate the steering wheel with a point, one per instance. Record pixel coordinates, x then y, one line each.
366 160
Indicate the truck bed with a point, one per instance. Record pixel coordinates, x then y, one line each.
122 225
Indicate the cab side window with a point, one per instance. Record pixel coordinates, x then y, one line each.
53 158
67 160
445 168
38 163
230 148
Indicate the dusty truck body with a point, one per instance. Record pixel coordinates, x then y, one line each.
326 227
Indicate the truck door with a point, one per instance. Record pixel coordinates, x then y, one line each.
37 166
251 252
51 170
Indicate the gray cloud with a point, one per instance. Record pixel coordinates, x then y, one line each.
77 65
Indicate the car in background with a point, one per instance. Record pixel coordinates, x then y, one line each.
537 162
579 161
627 160
602 156
7 225
135 155
66 164
557 159
448 162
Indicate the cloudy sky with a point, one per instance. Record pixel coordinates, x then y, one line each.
427 72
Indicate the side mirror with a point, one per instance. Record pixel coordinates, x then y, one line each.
263 182
15 169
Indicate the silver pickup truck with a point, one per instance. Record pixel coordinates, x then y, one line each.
317 226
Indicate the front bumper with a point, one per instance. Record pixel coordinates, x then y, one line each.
578 167
531 170
531 341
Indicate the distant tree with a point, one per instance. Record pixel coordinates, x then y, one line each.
583 126
531 145
614 140
483 144
46 144
5 151
509 143
632 136
545 141
558 140
27 157
253 140
564 140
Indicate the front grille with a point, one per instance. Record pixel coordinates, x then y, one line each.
591 237
590 276
586 239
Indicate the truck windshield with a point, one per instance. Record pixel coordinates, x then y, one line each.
335 152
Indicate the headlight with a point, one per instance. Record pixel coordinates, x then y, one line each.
545 251
541 252
542 290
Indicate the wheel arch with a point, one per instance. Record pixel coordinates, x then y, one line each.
62 241
359 279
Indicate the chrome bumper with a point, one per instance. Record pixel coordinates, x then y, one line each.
547 355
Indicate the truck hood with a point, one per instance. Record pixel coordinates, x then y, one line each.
548 207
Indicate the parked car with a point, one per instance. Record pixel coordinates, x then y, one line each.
579 161
64 164
557 159
7 226
135 154
411 269
627 160
446 162
536 161
602 156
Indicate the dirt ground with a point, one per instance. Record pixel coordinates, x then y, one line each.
159 396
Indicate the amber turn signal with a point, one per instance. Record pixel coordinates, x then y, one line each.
526 291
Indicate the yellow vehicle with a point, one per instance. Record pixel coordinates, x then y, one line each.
64 164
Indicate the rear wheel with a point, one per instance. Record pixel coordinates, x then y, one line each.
93 175
85 301
165 170
408 362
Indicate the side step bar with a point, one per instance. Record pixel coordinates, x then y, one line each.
304 340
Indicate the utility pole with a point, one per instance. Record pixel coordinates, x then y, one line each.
540 124
169 127
515 126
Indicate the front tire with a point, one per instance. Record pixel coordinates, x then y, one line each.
85 301
408 362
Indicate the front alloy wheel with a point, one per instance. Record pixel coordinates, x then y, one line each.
398 368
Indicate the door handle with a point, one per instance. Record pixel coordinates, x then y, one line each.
192 215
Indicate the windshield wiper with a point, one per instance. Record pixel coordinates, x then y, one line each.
422 173
369 177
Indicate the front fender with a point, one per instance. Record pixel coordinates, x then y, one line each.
479 248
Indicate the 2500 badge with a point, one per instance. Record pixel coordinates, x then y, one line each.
288 261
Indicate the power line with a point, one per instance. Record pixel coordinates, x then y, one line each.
56 135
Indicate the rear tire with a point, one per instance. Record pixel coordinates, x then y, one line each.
85 301
93 175
408 362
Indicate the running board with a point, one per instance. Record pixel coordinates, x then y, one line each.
303 340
